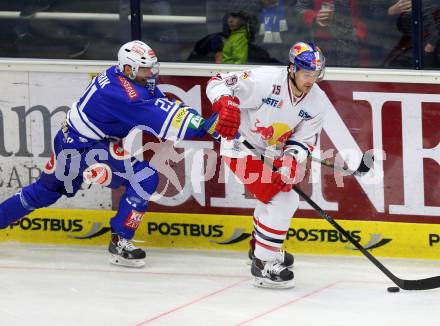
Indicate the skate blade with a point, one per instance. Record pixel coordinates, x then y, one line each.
263 282
121 261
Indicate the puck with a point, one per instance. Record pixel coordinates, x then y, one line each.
393 289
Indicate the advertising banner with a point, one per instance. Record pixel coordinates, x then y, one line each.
398 121
226 232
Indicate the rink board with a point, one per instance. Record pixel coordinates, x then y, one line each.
227 232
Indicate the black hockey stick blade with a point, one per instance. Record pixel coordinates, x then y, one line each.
363 168
365 165
421 284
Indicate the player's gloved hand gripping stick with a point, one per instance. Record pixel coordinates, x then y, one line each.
421 284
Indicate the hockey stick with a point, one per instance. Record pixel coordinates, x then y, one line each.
421 284
363 168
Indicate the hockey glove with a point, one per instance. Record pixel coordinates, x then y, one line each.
284 177
228 116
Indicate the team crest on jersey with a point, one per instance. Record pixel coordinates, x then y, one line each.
98 173
134 219
128 88
231 80
118 152
49 167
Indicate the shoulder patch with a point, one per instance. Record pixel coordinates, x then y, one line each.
231 80
245 75
128 87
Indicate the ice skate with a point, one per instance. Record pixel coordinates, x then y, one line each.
271 274
283 257
124 253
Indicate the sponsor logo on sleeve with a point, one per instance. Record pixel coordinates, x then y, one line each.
195 122
128 88
179 118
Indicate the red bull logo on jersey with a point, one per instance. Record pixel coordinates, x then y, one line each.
273 102
275 134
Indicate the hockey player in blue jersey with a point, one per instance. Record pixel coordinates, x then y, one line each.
87 149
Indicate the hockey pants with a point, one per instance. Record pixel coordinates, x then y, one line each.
272 217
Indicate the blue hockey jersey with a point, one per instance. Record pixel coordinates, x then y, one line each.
112 105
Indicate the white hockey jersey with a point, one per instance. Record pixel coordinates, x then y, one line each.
272 118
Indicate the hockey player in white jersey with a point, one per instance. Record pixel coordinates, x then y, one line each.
281 115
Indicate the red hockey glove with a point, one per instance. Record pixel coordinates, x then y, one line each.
228 116
284 177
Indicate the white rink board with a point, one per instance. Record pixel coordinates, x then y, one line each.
51 286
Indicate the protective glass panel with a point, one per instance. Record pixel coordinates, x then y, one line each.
63 29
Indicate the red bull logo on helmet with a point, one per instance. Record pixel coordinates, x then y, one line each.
317 63
275 134
300 47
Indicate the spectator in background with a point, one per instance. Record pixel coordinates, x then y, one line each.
234 45
272 21
402 53
277 26
216 9
338 27
241 33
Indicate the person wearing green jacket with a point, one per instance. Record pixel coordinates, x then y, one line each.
235 49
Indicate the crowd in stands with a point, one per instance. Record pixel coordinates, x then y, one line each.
352 33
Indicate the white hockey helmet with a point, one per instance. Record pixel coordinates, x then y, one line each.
137 54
